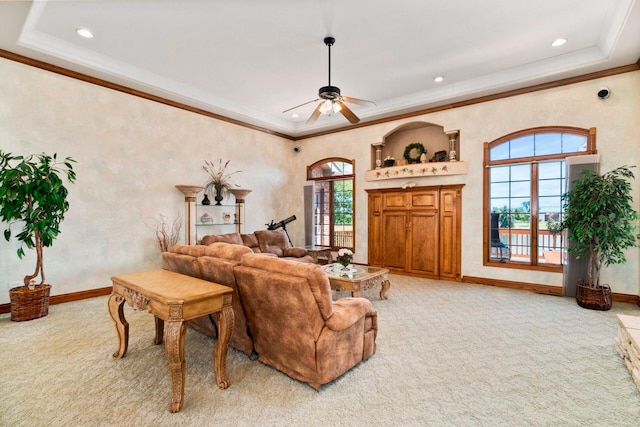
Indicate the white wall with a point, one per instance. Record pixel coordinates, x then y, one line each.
132 152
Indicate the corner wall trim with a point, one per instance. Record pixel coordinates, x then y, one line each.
533 287
541 289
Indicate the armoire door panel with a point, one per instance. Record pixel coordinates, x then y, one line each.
450 234
375 230
424 242
394 240
448 262
394 201
424 200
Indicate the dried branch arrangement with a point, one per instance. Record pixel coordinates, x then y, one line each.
167 234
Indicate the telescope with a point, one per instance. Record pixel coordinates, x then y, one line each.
282 224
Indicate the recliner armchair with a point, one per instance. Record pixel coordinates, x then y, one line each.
295 325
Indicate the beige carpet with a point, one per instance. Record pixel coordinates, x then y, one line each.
448 355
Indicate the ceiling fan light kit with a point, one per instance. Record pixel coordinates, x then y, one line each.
331 101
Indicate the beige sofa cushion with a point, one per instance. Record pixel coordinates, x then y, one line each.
251 241
193 250
272 241
226 238
227 250
180 263
313 273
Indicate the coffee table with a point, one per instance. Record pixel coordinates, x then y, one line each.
356 278
173 298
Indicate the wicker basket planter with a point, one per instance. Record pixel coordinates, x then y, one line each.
594 298
29 304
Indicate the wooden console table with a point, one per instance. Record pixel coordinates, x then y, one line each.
173 298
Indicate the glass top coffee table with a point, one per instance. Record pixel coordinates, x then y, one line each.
355 278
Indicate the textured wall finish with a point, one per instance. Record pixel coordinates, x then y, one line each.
131 152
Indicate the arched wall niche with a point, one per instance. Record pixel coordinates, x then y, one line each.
431 135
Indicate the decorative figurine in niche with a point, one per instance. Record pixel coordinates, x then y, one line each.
439 156
389 161
453 137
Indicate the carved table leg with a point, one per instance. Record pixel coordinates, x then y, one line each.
174 344
385 287
116 310
355 289
159 330
226 321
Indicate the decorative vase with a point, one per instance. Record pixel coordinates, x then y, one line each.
344 262
219 196
206 200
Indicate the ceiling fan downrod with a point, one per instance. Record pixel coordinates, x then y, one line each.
330 93
329 41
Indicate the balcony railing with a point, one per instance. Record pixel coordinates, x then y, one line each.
519 242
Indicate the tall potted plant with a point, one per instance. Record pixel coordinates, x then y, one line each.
602 223
33 195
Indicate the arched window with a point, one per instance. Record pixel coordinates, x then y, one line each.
333 202
524 180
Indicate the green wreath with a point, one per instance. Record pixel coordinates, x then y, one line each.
419 150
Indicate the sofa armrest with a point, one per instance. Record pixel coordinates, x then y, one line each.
347 311
294 252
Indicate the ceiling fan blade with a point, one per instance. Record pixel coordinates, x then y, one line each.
297 106
348 113
357 101
314 116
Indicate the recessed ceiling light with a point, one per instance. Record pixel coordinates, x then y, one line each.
559 42
84 32
295 116
438 79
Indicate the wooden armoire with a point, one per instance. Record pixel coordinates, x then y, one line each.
416 230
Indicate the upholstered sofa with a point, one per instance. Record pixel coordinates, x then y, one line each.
283 311
215 263
262 241
295 325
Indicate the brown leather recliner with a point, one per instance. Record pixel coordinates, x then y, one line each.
217 265
214 263
295 325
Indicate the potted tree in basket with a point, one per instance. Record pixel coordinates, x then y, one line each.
32 194
602 223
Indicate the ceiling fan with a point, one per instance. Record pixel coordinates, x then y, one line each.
331 101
